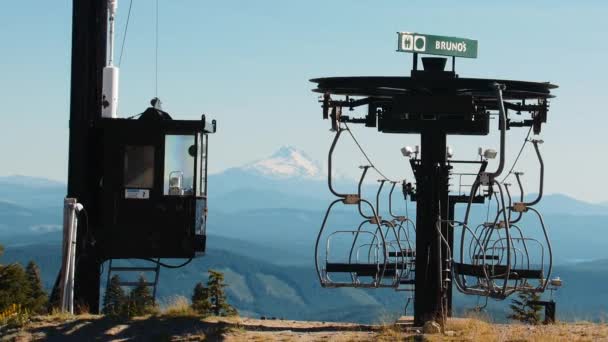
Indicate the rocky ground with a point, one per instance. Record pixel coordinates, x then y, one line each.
189 328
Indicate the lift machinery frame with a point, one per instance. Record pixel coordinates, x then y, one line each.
434 103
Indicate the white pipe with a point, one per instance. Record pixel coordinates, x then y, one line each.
70 223
65 256
109 97
72 265
109 94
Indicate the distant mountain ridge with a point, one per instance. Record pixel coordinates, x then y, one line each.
28 181
287 162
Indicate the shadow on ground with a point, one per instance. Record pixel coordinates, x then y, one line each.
163 329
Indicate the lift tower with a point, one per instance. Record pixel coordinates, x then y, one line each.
89 27
435 103
142 181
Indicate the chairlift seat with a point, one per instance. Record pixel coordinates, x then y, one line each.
486 257
364 270
497 272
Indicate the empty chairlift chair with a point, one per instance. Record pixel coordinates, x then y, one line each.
396 268
486 255
348 257
499 257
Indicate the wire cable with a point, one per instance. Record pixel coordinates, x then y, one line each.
124 37
365 154
166 265
518 155
156 56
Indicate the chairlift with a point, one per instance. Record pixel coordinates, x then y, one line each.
364 261
499 258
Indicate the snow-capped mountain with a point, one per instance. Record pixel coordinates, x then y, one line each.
287 162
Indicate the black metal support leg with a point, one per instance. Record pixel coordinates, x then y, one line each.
88 59
432 180
449 235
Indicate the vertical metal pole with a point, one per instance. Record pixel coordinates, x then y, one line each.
68 261
432 180
66 282
449 235
89 23
72 259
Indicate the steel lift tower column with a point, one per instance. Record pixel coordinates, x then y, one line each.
89 24
433 102
432 177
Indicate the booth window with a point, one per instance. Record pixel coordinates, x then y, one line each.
201 166
180 153
139 167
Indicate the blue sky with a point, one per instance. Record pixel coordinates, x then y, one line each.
247 64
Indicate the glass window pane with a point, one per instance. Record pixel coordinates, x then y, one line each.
201 167
179 165
139 167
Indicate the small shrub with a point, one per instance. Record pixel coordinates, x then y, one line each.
140 300
57 315
38 298
114 300
211 299
15 316
523 310
14 287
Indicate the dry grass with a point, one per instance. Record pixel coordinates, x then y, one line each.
468 329
179 306
57 315
247 329
391 332
479 330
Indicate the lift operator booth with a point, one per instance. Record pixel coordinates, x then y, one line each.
154 192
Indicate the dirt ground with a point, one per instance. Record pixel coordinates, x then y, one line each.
159 328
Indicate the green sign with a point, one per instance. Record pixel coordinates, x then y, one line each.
436 45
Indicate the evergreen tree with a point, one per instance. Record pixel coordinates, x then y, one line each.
523 310
37 296
217 297
114 300
200 300
53 302
14 287
141 301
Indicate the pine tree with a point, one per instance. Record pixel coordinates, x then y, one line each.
37 296
114 300
217 297
14 287
200 300
523 310
141 301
